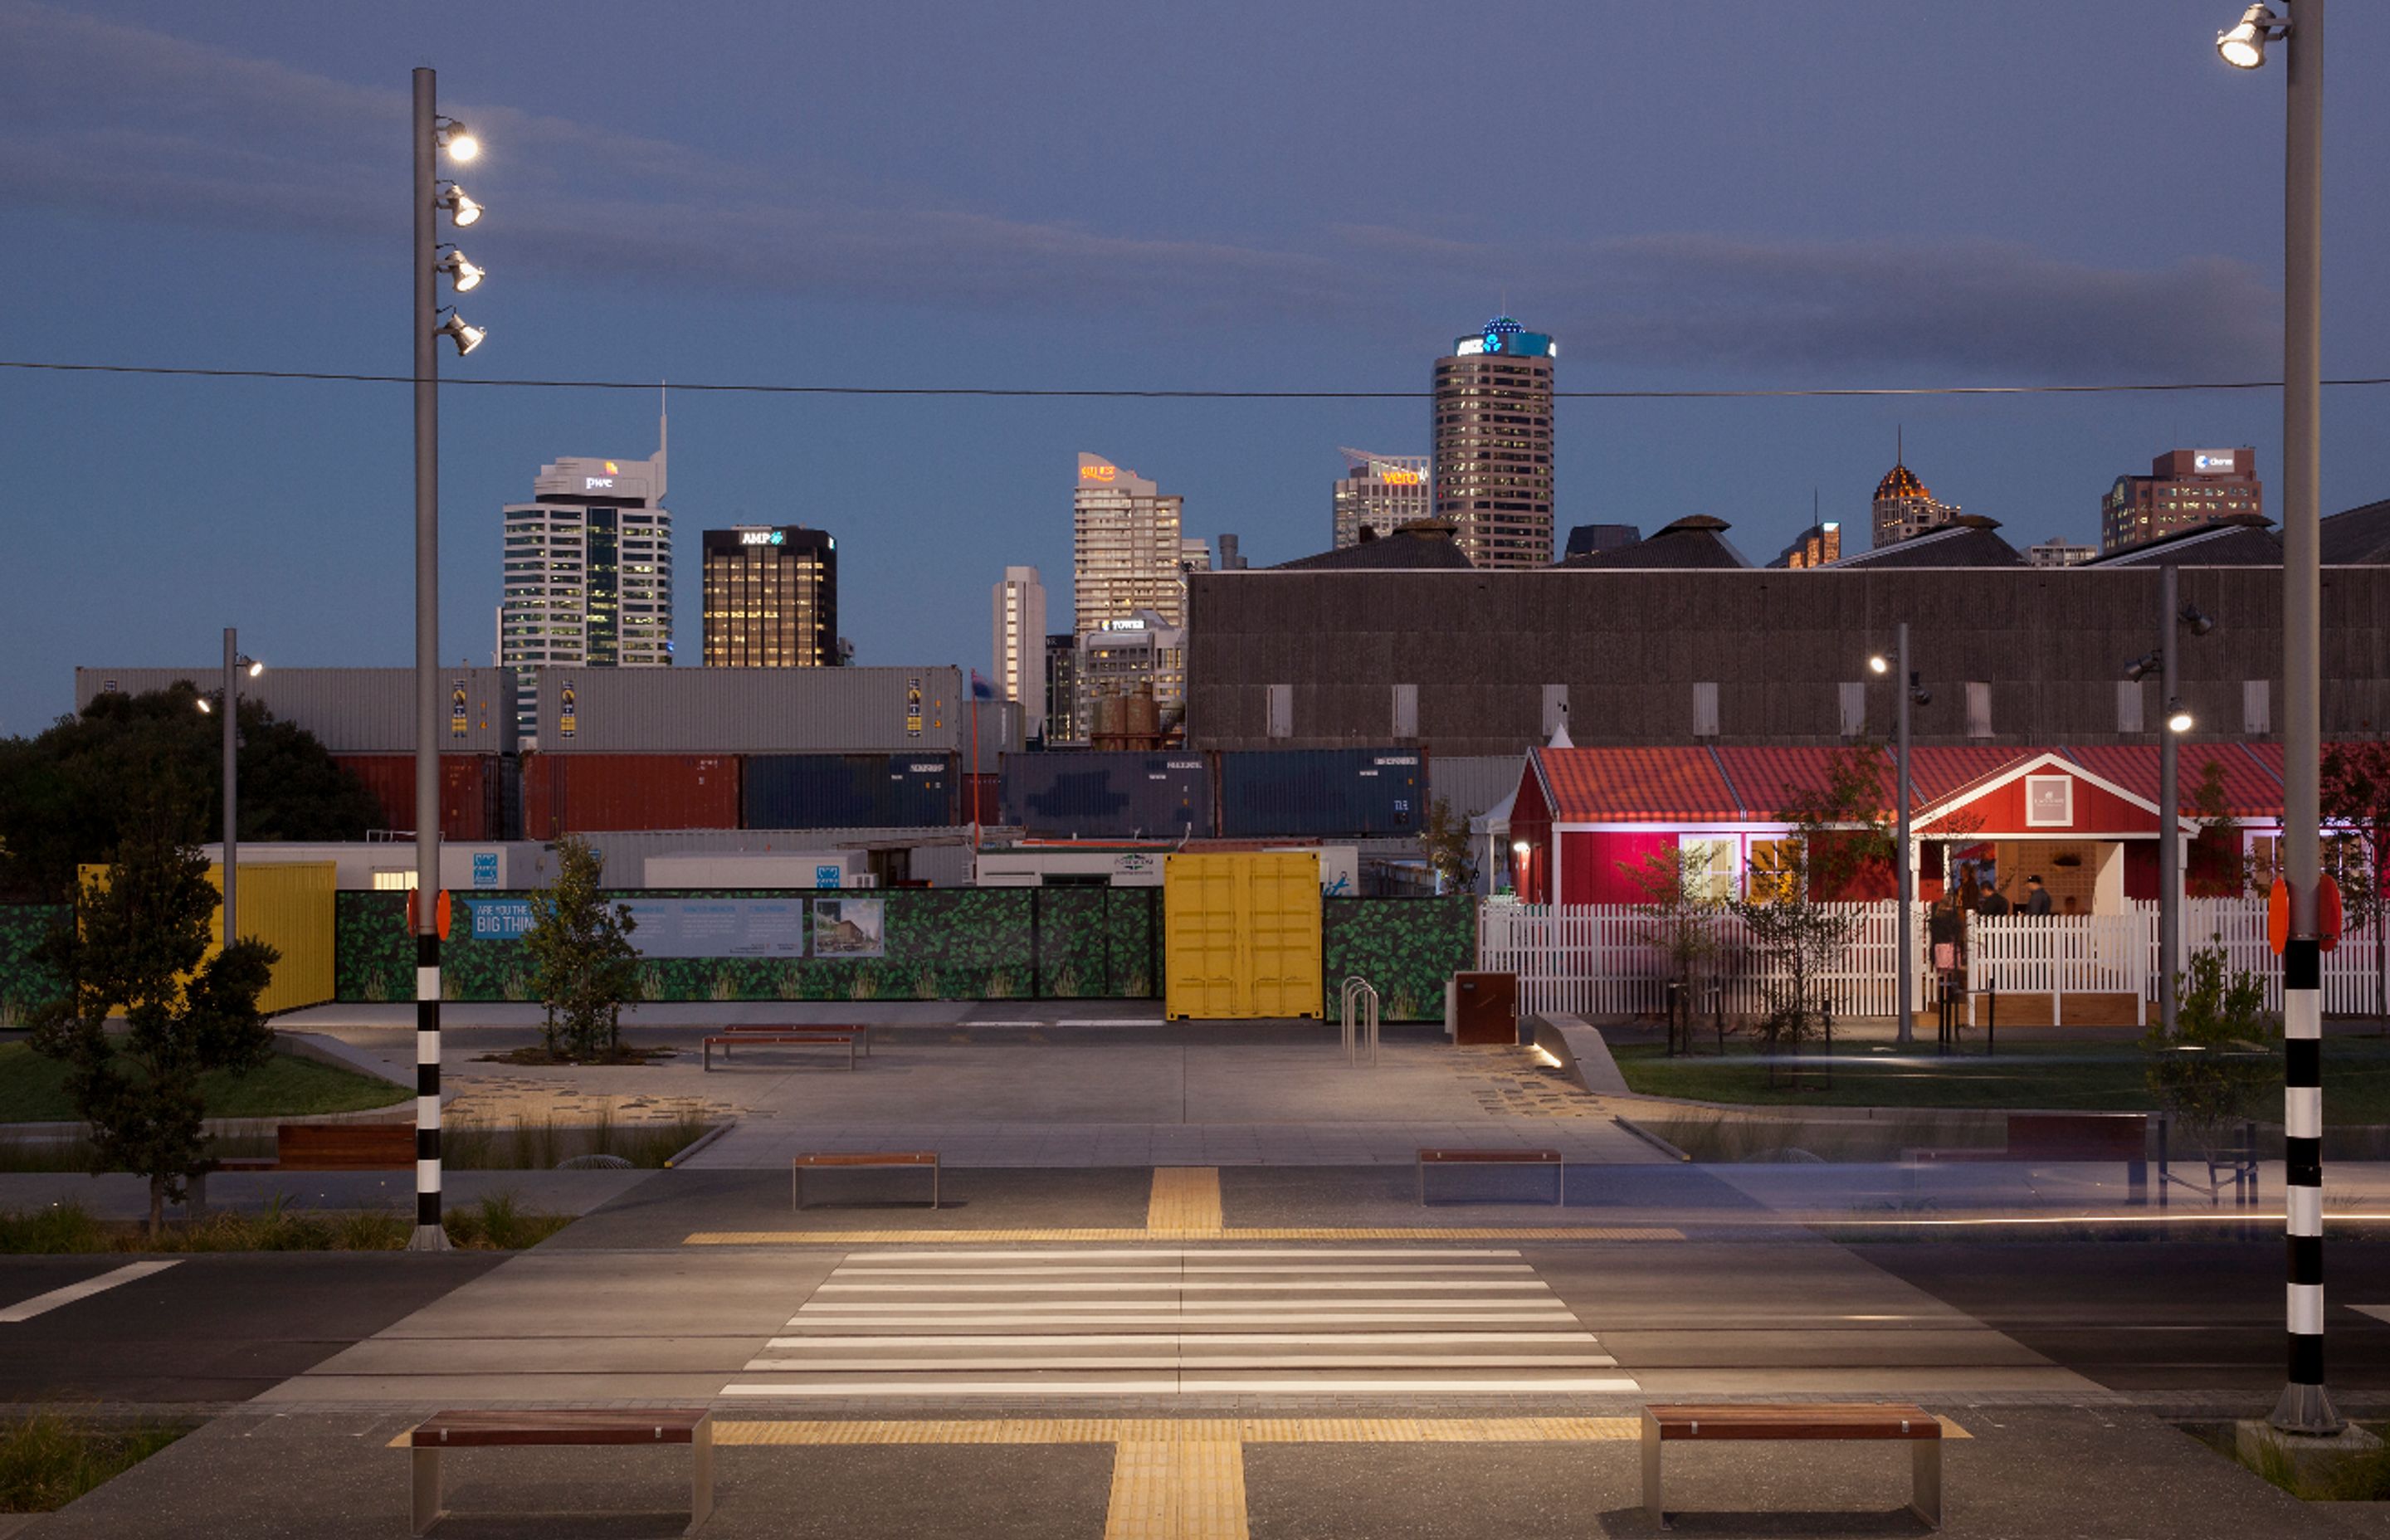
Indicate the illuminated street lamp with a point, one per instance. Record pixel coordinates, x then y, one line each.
433 136
1909 695
2174 616
236 664
2305 1407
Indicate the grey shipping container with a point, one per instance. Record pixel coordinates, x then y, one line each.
850 790
1000 733
1472 783
350 711
752 711
1109 796
1321 793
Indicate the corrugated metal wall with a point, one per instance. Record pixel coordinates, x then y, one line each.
1474 782
1321 793
350 711
1109 796
578 793
850 790
472 798
740 711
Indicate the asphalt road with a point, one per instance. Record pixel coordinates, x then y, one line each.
2160 1316
210 1328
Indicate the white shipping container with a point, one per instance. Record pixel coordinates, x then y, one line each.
366 865
829 868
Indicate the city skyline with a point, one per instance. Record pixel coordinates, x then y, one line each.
1975 269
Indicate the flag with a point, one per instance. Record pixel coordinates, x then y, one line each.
981 688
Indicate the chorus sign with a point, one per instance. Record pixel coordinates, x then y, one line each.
456 712
913 707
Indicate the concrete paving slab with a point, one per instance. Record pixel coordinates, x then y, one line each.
119 1196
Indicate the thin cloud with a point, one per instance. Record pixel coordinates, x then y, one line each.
100 117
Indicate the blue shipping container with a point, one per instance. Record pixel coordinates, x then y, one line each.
1321 793
1109 796
849 791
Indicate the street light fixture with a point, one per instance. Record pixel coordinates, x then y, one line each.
2174 616
2178 720
2243 45
432 134
461 270
2305 1407
462 210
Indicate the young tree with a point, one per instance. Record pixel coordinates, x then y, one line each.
1799 938
1681 922
2219 1069
134 943
583 963
1444 840
2356 804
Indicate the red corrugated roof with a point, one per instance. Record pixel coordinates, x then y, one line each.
1668 785
2253 786
1768 781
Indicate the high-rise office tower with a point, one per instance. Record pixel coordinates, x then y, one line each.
2185 489
1381 493
1819 545
1494 444
1062 724
771 597
587 572
1018 645
1903 507
1126 554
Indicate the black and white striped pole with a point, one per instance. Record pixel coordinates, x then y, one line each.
2304 1407
432 135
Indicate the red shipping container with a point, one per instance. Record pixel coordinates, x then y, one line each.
468 791
585 793
984 802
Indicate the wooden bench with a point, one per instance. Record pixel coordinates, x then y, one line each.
332 1147
859 1160
2068 1137
862 1030
480 1430
1496 1157
752 1039
1895 1421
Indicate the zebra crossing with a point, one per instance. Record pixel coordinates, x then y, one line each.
1161 1320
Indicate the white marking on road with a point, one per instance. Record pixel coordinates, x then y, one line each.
1149 1253
1306 1385
1174 1283
2378 1311
1199 1361
1182 1269
1178 1317
1102 1339
42 1303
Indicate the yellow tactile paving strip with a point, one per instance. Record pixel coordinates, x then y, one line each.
1180 1490
1185 1204
1289 1232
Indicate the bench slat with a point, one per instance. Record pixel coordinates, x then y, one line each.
884 1157
344 1146
461 1429
1793 1421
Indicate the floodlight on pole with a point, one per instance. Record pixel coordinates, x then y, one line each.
2178 720
461 270
462 147
2243 45
462 210
1878 663
456 330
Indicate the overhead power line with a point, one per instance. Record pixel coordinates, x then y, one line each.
339 377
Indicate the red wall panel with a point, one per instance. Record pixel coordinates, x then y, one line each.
1591 869
468 791
583 793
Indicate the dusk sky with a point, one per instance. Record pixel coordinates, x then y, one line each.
1230 196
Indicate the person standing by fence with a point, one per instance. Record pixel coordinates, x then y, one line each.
2037 898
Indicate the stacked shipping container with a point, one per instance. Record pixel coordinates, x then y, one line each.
1109 796
849 791
473 791
1321 793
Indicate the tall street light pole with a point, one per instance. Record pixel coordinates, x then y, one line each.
231 778
2305 1407
1907 694
2169 805
432 133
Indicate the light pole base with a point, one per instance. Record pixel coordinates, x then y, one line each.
2307 1411
428 1238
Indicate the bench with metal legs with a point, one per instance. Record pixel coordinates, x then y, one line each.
491 1430
1890 1421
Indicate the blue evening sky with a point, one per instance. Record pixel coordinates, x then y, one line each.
1716 193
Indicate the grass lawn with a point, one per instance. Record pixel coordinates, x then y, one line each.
47 1460
33 1089
2048 1076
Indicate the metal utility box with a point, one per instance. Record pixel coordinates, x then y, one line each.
1243 933
1485 1007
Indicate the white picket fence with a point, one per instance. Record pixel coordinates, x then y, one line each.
1602 959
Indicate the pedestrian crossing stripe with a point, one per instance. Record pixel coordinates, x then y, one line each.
764 1433
1311 1233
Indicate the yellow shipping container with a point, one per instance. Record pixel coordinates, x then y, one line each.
288 906
1243 934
